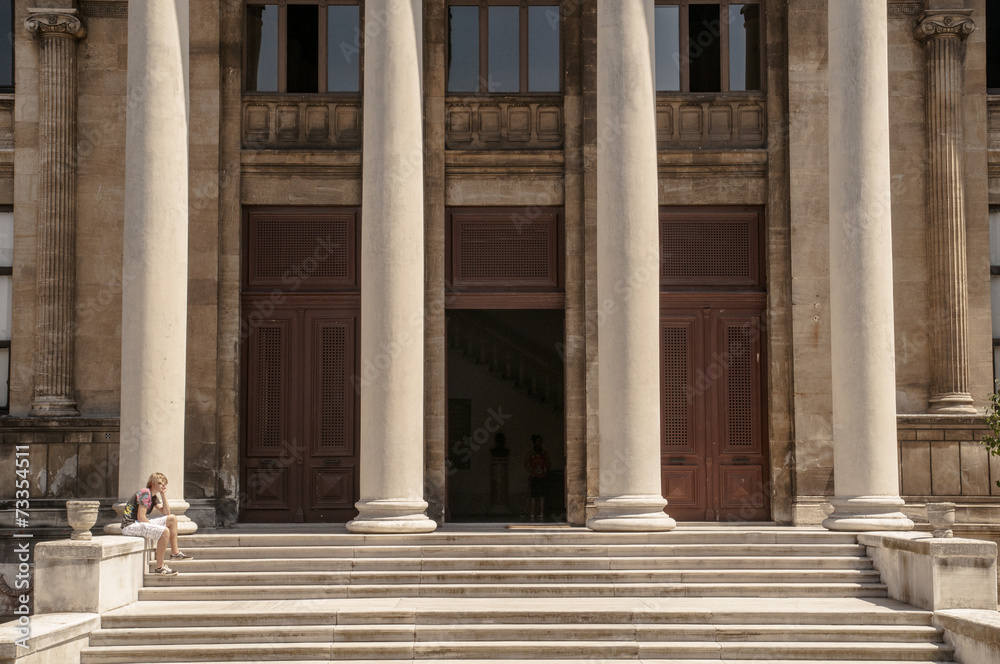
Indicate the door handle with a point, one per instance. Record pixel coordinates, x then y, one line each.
269 463
743 461
675 461
331 462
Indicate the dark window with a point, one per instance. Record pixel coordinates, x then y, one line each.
707 46
503 47
6 44
993 46
303 47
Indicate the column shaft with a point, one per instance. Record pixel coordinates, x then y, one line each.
628 262
861 306
58 31
392 269
942 34
155 252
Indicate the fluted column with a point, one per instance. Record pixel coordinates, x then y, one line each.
942 33
155 252
866 466
627 237
57 31
392 269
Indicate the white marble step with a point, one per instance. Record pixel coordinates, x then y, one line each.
517 563
589 660
516 632
482 577
278 592
507 650
319 550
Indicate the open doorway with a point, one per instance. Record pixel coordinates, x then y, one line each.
505 394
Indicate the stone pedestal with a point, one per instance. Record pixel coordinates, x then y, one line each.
499 501
92 576
392 262
155 274
942 33
627 239
866 466
57 31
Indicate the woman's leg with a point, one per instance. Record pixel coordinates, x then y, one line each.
161 549
172 529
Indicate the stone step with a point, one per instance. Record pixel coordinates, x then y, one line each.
589 660
520 537
516 632
278 564
236 593
505 650
319 550
530 577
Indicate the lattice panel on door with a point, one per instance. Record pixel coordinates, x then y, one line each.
301 251
503 252
739 388
709 251
676 381
268 396
333 381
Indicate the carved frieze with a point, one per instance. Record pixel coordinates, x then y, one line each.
44 22
953 22
904 8
504 123
283 122
113 8
717 121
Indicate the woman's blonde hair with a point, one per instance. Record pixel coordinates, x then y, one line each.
154 478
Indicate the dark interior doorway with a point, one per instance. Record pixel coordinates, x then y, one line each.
505 376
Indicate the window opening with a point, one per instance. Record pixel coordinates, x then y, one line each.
303 47
708 46
993 47
504 47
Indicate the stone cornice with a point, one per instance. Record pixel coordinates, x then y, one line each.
42 22
943 23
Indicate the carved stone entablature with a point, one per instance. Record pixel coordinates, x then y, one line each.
504 123
904 8
956 22
113 8
277 122
711 121
43 22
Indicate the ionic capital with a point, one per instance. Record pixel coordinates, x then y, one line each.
951 22
45 22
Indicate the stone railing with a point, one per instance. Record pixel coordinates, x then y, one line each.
318 122
6 121
730 120
940 456
504 123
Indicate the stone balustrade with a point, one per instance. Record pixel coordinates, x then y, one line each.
292 122
504 123
712 121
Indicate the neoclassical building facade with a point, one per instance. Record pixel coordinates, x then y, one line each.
725 261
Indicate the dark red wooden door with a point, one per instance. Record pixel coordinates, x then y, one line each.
713 453
300 351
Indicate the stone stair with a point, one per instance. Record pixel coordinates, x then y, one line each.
566 595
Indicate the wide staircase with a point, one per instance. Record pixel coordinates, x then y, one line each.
697 594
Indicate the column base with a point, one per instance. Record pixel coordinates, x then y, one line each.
951 403
391 516
635 513
867 513
54 407
185 526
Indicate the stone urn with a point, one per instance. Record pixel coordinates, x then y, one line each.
82 515
941 516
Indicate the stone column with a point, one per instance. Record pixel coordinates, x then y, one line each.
392 276
866 467
942 33
155 253
627 259
57 31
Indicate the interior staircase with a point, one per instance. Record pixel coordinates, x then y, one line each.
694 595
504 356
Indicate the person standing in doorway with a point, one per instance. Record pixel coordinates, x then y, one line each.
537 464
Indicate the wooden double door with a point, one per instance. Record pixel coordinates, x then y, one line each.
714 461
301 411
